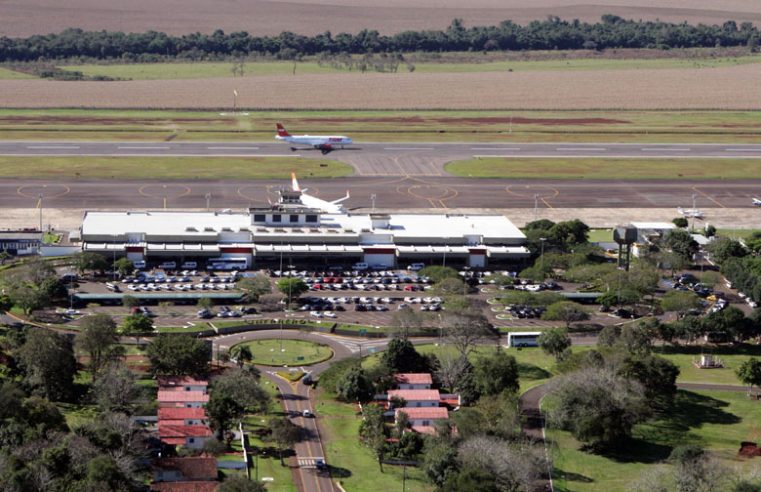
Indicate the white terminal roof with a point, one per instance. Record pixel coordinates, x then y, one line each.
653 225
199 224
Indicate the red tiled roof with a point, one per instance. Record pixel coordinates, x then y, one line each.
182 396
185 486
415 395
413 378
424 429
418 413
180 381
174 441
170 431
169 413
191 468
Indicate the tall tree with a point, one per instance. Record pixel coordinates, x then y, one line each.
242 354
555 341
115 389
48 364
566 311
243 386
372 430
680 302
285 434
496 373
400 356
223 410
98 339
136 325
254 287
749 373
291 288
178 355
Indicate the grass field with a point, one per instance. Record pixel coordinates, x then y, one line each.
731 357
156 71
369 126
724 87
716 420
294 352
582 168
169 167
6 73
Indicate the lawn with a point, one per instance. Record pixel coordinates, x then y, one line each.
7 73
737 233
352 464
153 71
268 461
719 421
600 235
169 167
583 168
731 357
364 126
287 352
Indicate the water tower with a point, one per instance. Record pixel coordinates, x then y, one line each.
625 236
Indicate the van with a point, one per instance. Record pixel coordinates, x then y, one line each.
360 266
139 263
188 265
414 267
168 265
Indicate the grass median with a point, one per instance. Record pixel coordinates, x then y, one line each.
628 169
170 167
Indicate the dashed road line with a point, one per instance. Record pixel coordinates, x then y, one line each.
53 147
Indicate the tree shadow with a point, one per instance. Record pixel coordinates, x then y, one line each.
530 371
338 472
571 476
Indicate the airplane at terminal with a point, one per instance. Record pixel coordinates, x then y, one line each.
323 143
333 207
757 202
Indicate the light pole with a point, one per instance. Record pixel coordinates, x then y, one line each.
542 240
235 101
694 212
113 261
208 200
536 205
372 198
444 260
39 204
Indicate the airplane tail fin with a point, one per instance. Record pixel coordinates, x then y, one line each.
281 131
295 183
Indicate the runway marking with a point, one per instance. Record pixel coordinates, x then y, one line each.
164 197
545 202
41 188
582 149
555 192
407 148
743 150
495 149
52 147
233 148
140 147
709 197
664 150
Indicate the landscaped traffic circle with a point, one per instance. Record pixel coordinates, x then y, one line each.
276 352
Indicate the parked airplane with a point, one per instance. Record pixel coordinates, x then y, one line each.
333 207
321 142
757 202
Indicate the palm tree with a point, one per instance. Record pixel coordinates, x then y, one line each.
241 354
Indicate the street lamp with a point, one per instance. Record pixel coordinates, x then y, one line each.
542 240
208 199
372 198
39 205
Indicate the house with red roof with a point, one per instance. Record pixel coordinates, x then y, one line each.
185 486
423 416
413 381
183 416
416 398
190 436
182 383
187 469
188 399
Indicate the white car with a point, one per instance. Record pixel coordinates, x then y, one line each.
329 314
315 314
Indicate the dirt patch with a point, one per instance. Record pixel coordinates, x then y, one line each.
490 120
81 120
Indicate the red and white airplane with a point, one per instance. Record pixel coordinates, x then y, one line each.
331 207
321 142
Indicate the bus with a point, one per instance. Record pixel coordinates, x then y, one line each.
227 264
523 339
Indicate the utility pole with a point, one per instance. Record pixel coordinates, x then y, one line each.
372 198
542 240
208 200
536 205
39 205
235 101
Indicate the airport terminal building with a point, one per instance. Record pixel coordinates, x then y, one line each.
295 232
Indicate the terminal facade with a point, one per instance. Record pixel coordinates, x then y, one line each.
298 230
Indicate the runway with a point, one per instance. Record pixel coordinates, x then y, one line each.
392 193
387 159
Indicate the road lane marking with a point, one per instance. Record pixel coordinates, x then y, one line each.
743 150
495 149
57 147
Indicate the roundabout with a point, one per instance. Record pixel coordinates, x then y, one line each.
286 352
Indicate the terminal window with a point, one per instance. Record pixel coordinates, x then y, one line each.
311 218
294 218
259 218
276 218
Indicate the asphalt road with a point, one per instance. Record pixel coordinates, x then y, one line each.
385 159
399 193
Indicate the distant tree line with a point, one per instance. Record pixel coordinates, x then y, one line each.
550 34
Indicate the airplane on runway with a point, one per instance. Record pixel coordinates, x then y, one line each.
757 202
333 207
323 143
